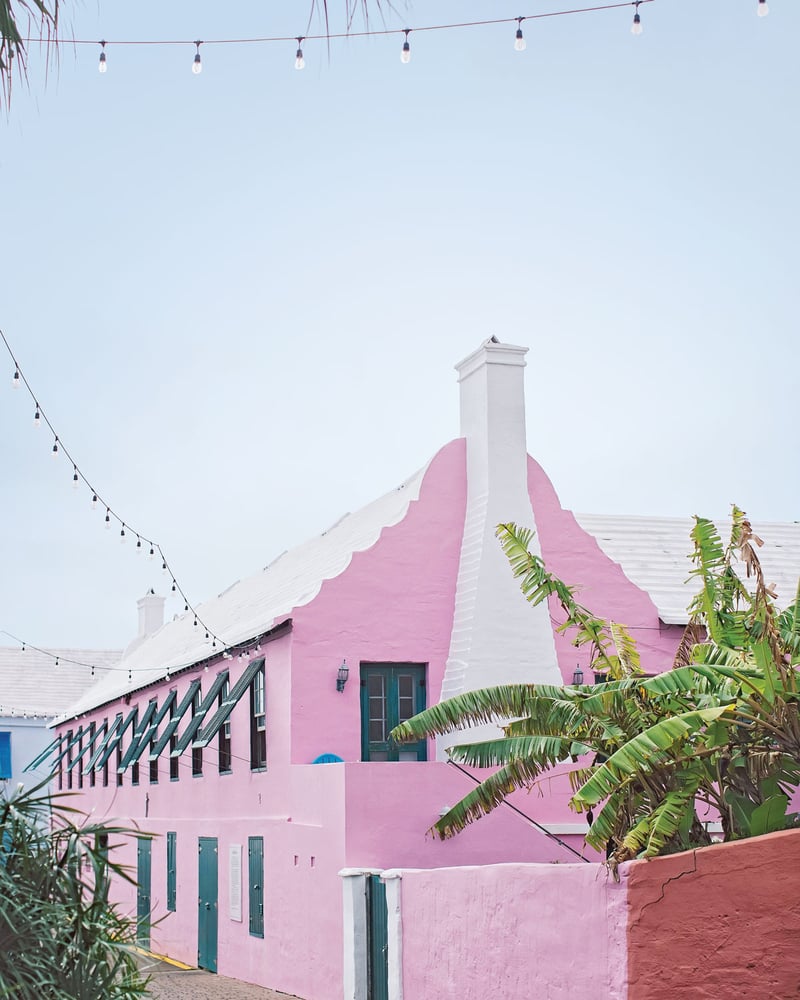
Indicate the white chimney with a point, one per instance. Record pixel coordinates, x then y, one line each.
497 637
151 614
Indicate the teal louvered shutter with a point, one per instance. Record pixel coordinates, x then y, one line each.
172 882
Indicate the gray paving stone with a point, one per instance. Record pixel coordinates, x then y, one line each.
169 983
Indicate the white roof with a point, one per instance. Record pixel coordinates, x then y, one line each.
254 605
654 554
32 684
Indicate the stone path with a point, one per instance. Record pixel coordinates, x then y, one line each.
170 983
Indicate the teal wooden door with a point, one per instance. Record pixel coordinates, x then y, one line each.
207 903
390 694
143 868
377 940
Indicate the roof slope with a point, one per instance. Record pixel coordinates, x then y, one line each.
253 605
32 684
654 554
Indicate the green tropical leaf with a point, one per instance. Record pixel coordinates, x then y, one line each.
769 816
542 751
643 752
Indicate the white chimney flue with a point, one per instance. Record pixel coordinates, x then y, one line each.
151 614
497 636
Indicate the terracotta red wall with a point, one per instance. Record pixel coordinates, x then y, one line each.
719 923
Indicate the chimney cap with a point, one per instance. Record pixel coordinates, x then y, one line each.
491 352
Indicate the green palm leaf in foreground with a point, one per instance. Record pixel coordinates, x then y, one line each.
60 937
718 732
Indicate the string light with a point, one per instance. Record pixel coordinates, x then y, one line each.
94 501
405 52
636 27
37 422
122 535
331 36
763 8
55 448
102 66
75 477
108 518
138 544
519 41
16 380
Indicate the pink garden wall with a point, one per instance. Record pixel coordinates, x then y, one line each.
718 923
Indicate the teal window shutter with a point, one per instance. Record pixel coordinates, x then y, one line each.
5 755
172 854
255 869
202 710
207 734
172 725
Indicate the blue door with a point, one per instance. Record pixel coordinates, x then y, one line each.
207 904
143 868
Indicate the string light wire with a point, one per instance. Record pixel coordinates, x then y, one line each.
78 477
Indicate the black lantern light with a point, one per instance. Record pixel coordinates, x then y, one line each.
577 676
342 675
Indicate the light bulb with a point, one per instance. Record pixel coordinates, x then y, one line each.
37 422
108 518
74 477
197 65
299 61
636 27
405 52
94 501
519 41
102 66
138 544
54 452
151 553
763 8
122 535
16 380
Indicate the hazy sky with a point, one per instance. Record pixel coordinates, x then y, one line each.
239 296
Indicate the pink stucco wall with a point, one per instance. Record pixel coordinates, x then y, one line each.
513 932
723 921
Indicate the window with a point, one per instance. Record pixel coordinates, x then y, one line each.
153 764
92 737
79 767
69 758
171 869
390 694
197 752
255 867
174 762
135 767
5 756
225 759
258 722
105 763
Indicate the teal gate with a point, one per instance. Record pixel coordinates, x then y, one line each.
377 940
143 868
207 904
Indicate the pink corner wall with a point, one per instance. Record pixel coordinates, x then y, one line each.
723 921
512 932
573 555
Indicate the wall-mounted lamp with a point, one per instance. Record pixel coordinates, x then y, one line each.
342 675
577 676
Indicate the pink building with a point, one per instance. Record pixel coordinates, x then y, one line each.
264 770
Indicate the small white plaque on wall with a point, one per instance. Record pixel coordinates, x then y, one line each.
235 881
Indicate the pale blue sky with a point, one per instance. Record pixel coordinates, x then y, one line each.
239 296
